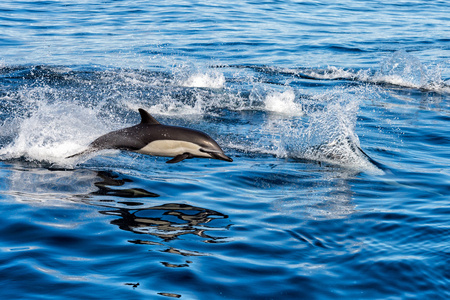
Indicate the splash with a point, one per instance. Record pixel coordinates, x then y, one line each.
49 128
167 105
335 73
330 133
52 132
326 133
59 115
283 103
405 70
211 79
189 92
55 113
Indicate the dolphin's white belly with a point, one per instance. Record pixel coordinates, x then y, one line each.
172 148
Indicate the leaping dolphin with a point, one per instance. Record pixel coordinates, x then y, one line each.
152 138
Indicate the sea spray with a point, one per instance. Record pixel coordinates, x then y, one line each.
405 70
283 103
52 132
211 79
51 125
327 131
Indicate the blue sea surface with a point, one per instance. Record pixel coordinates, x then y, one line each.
336 114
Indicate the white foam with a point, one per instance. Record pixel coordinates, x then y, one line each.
332 72
168 106
210 79
283 103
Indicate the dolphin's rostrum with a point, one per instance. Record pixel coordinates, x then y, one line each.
152 138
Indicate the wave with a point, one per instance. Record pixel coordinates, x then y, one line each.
401 69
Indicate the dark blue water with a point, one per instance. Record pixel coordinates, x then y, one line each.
336 115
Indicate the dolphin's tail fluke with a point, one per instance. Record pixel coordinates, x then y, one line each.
87 151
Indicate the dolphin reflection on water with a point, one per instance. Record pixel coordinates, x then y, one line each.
166 221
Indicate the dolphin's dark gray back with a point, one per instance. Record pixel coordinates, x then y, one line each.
123 139
138 136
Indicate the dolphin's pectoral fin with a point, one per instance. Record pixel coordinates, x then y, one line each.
179 158
208 150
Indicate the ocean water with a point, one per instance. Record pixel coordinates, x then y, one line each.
336 115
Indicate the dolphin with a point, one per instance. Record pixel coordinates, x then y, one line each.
152 138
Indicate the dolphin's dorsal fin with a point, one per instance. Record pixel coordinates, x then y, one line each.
146 118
